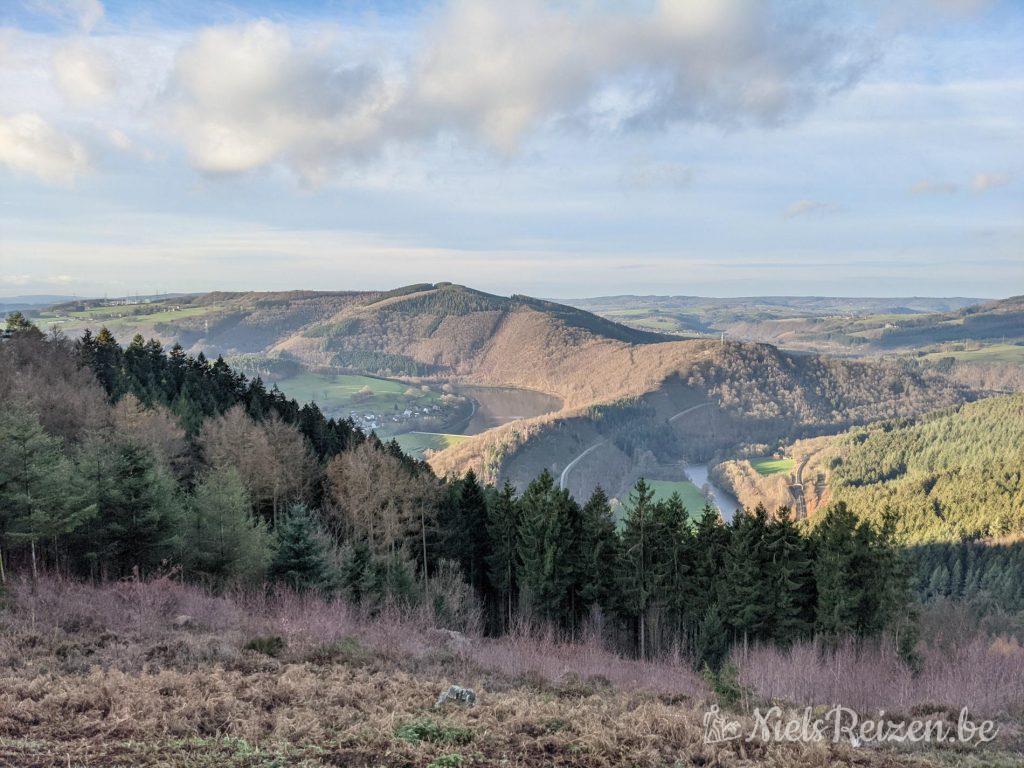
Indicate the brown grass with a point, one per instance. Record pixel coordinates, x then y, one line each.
102 676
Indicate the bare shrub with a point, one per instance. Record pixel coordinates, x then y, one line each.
984 675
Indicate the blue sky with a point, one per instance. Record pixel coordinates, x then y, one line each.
557 149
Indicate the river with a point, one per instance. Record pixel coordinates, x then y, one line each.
727 503
495 406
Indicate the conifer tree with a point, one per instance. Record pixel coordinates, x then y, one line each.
711 645
136 504
34 476
472 534
601 550
224 541
746 597
542 575
502 562
300 558
836 572
711 540
639 578
675 558
789 574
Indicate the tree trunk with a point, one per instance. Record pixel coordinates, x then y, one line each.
643 644
35 573
3 573
423 538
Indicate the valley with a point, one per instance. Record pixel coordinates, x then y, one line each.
509 386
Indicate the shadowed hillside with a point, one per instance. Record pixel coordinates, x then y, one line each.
617 383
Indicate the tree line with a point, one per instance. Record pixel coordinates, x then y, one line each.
171 461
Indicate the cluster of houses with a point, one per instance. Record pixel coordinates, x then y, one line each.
372 420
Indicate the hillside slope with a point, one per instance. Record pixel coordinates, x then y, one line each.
955 474
450 332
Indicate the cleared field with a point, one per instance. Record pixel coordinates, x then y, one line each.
994 353
769 466
693 499
418 443
650 321
342 392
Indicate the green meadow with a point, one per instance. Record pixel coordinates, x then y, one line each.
766 465
342 392
692 498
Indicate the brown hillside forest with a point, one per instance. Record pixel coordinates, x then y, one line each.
184 546
615 382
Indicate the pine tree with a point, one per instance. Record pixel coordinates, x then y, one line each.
601 550
789 574
475 542
137 508
502 562
300 559
675 558
746 596
836 572
542 573
711 646
638 577
225 542
711 541
34 476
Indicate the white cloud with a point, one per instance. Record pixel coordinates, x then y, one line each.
933 187
28 144
500 69
983 182
247 96
809 208
85 14
84 76
256 94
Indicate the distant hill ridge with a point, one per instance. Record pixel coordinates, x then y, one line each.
451 332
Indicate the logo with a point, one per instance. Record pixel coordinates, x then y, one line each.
841 724
718 729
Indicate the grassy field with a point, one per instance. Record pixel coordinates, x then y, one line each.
993 353
338 393
766 465
649 320
418 443
693 499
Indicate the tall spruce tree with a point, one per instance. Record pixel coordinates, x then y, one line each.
502 562
746 597
675 556
543 571
639 575
137 507
300 557
225 542
34 476
790 576
474 541
600 550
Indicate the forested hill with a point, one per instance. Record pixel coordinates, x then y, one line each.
956 474
414 330
133 463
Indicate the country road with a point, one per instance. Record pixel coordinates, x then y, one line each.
595 446
574 462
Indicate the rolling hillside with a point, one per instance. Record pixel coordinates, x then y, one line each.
966 329
616 383
951 475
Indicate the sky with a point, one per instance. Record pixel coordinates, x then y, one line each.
560 149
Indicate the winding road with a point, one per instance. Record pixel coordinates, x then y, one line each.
565 472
